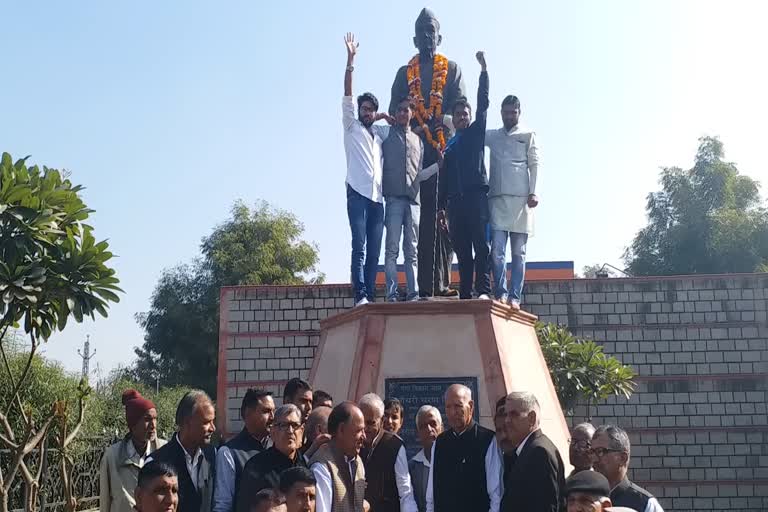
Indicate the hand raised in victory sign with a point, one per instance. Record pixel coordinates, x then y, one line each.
481 59
352 45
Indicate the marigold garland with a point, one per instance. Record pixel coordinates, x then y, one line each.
435 110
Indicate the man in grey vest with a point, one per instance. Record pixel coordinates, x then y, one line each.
257 411
402 174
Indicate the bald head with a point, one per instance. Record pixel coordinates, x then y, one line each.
459 407
317 423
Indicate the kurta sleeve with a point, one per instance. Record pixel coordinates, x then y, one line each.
323 489
533 163
494 471
403 481
105 499
224 489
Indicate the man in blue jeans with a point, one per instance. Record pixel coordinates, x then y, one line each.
365 209
511 198
402 176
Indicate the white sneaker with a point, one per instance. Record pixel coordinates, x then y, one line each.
362 302
515 304
484 296
503 299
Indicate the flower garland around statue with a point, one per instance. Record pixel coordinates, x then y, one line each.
435 110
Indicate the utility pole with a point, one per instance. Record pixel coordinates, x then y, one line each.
86 355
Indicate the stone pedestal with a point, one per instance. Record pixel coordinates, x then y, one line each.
420 346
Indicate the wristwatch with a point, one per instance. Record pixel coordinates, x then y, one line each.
350 68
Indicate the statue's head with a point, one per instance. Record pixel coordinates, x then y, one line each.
427 37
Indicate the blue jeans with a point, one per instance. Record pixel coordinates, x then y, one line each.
401 215
517 242
366 221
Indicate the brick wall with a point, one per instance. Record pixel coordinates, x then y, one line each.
697 422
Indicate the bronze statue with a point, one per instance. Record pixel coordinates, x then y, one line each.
437 84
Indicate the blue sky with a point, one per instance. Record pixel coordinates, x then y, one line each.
168 112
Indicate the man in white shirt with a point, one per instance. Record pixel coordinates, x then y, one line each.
511 198
337 465
365 207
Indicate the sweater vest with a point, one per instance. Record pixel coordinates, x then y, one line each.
347 495
381 491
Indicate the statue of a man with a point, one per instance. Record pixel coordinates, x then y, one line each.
435 256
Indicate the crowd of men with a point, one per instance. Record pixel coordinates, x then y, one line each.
308 455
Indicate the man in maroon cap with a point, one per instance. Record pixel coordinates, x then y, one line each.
122 461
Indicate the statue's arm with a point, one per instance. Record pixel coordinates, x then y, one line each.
454 88
399 89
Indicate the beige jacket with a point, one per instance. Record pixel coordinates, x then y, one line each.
119 475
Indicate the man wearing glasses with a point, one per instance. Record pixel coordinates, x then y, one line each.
263 470
610 454
580 446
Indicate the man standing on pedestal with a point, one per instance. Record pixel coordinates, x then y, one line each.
511 198
362 144
434 84
463 191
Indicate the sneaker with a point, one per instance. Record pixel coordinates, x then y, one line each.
484 296
514 304
503 299
392 299
449 292
362 302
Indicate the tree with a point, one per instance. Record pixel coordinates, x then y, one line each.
708 219
594 271
580 370
51 268
253 247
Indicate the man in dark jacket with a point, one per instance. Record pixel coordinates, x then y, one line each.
190 452
466 470
263 470
257 411
386 464
464 191
537 477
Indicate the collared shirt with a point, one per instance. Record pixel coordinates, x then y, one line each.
365 159
514 161
324 487
137 458
421 458
512 178
226 474
494 476
193 463
522 445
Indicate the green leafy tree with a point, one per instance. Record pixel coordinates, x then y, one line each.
708 219
51 269
581 372
253 247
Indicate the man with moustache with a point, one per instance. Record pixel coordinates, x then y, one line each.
157 488
429 425
190 452
122 461
257 411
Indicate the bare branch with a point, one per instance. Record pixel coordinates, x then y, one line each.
80 416
17 388
7 365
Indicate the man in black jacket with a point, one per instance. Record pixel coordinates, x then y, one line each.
537 477
263 470
464 191
190 452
